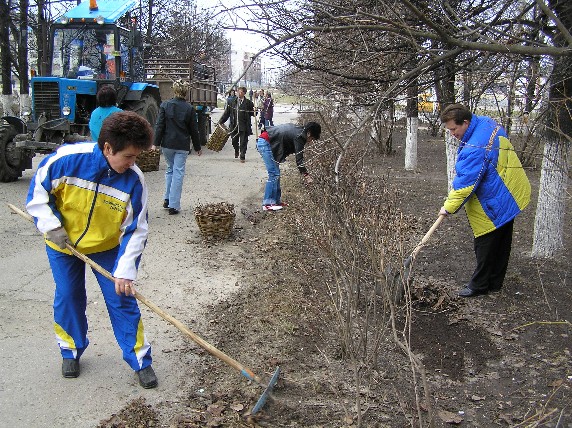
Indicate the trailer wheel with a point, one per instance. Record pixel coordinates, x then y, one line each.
147 107
203 128
11 162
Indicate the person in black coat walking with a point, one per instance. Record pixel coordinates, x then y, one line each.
175 128
239 112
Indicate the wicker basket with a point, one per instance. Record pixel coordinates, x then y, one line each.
215 221
218 138
148 160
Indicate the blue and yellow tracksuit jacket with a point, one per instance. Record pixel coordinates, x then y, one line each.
99 208
489 182
105 215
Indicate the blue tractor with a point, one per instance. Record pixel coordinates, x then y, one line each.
91 45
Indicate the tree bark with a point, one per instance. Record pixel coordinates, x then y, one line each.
552 193
23 58
5 57
551 205
412 127
451 146
42 40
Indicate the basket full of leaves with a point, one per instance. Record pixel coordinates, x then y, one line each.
215 221
148 160
218 138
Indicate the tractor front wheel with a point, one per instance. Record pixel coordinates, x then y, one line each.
11 161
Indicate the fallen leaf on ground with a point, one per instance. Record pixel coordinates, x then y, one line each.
450 417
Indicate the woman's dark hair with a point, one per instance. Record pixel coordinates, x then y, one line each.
106 96
123 129
457 112
314 129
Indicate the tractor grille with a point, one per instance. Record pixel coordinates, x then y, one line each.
47 99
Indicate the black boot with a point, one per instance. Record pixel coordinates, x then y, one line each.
70 368
147 377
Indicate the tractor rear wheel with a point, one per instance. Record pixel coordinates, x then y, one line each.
147 107
11 162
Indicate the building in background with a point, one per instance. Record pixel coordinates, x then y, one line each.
246 68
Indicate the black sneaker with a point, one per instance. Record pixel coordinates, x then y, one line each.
70 368
173 211
147 378
166 203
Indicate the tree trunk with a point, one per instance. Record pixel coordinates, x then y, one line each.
531 82
551 205
510 99
445 83
451 146
467 84
149 32
23 58
412 128
42 40
552 193
5 57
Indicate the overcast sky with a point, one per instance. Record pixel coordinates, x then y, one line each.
248 41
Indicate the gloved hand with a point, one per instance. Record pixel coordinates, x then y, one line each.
58 236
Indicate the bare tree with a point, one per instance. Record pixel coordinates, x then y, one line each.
552 194
22 67
5 56
365 44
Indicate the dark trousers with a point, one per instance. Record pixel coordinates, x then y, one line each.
240 143
492 251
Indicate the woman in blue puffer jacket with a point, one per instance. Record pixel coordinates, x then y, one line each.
492 186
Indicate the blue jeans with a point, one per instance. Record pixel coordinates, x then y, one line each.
176 160
272 192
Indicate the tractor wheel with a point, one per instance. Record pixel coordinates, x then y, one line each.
203 128
147 107
11 163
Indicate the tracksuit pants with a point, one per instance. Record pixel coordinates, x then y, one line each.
70 303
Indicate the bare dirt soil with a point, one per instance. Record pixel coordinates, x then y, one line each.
503 359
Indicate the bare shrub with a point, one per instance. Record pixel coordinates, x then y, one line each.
355 223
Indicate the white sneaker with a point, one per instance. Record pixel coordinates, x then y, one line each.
271 207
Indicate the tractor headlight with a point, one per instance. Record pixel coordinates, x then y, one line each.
66 111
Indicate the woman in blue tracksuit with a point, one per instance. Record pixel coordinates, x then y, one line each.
492 186
93 197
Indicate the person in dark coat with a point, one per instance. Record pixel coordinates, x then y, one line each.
268 110
230 97
239 112
176 127
275 144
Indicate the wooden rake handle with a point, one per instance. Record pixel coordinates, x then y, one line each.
427 235
167 317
